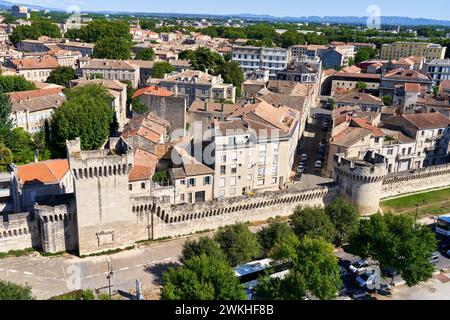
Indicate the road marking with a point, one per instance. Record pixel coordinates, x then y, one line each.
168 259
28 273
13 271
125 268
138 266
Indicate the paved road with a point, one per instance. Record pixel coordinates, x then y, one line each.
49 277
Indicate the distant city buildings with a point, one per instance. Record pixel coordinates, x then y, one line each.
399 50
20 12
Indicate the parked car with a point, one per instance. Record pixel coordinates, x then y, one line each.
344 272
323 143
358 294
314 116
435 258
304 157
367 279
359 266
300 169
319 164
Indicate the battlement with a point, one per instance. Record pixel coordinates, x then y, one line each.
368 170
100 163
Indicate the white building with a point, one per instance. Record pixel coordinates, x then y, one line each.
438 70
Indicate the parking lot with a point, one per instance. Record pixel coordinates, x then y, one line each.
439 285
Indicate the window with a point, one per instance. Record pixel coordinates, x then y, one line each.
223 158
206 181
231 140
143 185
182 197
190 197
223 169
249 177
222 182
234 169
390 151
261 172
233 192
183 182
221 193
260 182
234 156
130 187
274 180
274 171
191 182
233 181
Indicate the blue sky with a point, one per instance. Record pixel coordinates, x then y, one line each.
436 9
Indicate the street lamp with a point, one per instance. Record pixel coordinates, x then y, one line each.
417 211
109 276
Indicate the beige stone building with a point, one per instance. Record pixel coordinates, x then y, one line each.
398 50
37 69
254 150
30 109
197 85
111 70
345 82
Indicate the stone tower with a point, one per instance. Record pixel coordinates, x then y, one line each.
360 180
103 208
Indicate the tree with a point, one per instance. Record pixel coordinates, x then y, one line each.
40 145
146 54
202 278
312 222
292 287
202 59
101 29
204 245
5 157
315 269
21 33
86 114
112 48
238 243
364 54
232 73
395 241
87 295
139 107
12 291
21 145
62 76
47 28
291 37
5 111
15 84
361 86
387 100
344 217
161 68
276 232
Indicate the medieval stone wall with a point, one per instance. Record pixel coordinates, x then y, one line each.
415 181
19 231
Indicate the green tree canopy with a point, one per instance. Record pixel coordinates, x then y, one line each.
12 291
161 68
292 287
344 217
361 86
15 84
5 157
394 241
364 54
38 28
387 100
87 114
276 232
204 245
202 278
5 111
312 222
202 59
231 72
21 145
62 76
112 48
238 243
47 28
146 54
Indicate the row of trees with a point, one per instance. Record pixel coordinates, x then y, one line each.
38 28
204 59
305 243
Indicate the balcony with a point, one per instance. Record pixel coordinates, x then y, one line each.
401 157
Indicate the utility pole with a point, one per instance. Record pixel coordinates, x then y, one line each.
417 211
109 276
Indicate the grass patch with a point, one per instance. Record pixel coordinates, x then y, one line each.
17 253
109 252
432 203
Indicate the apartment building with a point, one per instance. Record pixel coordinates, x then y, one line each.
34 69
309 51
431 132
365 101
399 77
342 82
254 150
111 70
303 70
253 58
197 85
399 50
86 49
30 109
336 57
438 70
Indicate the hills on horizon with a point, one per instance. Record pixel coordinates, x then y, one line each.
385 20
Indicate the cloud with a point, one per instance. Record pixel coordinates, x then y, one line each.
58 4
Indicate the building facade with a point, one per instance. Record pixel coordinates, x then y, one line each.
399 50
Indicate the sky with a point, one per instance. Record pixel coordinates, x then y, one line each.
435 9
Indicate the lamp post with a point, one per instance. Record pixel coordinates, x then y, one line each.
109 276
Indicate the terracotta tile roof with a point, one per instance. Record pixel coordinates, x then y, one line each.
147 126
214 108
110 84
350 136
352 69
46 172
344 75
36 100
144 165
376 132
152 91
402 74
105 64
428 120
46 62
412 87
359 98
190 167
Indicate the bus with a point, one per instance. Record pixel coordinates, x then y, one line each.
443 226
